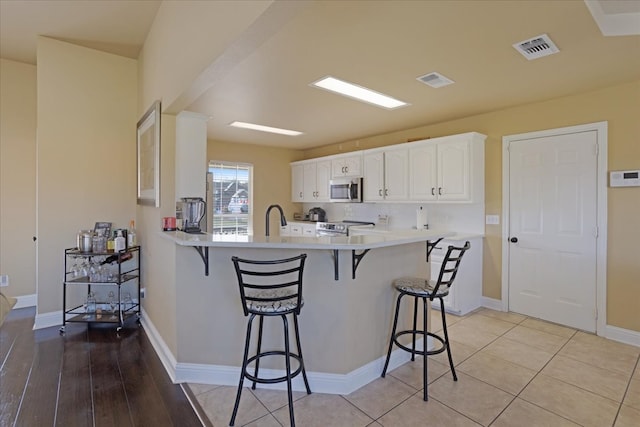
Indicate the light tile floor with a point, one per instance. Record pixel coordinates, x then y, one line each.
512 371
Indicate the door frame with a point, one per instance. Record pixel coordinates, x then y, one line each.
601 129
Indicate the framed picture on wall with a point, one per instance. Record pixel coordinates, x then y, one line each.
148 156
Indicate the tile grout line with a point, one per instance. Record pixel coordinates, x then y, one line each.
626 390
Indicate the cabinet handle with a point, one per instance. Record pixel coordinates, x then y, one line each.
386 191
433 191
346 169
440 191
380 192
301 194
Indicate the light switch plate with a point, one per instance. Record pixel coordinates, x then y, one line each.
4 280
492 220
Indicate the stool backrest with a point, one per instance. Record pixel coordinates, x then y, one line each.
282 276
450 266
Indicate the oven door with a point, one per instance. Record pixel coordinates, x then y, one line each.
346 190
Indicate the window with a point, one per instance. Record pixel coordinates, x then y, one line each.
230 198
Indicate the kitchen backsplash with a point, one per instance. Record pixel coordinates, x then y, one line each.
464 218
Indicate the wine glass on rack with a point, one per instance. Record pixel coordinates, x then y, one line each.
112 303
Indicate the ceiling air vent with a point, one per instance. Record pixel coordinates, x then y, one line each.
536 47
435 80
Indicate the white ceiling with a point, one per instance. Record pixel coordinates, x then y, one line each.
384 45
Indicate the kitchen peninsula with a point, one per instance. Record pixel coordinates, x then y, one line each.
344 324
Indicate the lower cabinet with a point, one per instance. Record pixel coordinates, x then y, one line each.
466 293
299 229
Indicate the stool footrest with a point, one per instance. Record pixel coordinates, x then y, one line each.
438 350
259 380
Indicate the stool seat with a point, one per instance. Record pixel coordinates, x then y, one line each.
420 287
271 301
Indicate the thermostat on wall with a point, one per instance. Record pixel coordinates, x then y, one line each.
624 178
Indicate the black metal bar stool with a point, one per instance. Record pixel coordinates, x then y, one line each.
268 289
427 290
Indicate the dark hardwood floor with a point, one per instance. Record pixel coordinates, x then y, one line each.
90 376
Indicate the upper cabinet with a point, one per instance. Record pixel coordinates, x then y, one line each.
347 165
385 174
310 181
447 169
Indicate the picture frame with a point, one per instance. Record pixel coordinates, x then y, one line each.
148 156
106 226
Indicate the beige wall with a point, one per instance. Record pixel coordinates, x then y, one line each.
18 176
620 106
185 38
86 152
271 177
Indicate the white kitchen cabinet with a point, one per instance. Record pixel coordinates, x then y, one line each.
310 181
347 165
385 174
447 169
297 182
307 229
466 293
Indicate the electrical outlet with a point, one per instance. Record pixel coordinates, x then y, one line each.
4 280
383 220
492 220
143 292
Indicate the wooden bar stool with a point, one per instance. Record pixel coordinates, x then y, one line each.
268 289
427 290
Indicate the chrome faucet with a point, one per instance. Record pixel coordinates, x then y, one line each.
283 221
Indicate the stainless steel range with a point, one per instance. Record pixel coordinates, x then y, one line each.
338 228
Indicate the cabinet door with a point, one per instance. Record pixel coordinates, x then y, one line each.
323 176
396 174
297 183
453 171
309 192
373 177
423 172
347 166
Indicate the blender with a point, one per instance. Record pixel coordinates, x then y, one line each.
193 209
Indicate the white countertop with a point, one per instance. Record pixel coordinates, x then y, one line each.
407 232
357 242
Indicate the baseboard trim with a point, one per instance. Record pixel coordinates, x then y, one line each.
167 358
626 336
320 382
47 320
492 303
26 301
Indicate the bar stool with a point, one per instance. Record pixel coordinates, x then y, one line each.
418 287
268 289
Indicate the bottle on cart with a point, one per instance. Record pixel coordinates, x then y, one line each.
131 235
120 242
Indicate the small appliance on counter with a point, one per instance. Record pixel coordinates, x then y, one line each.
317 214
193 209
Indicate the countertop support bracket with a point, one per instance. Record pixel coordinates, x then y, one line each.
336 274
355 261
430 246
204 254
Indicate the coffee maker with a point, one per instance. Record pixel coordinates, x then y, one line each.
193 209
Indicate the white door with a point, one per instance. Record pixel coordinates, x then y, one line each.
396 174
323 176
374 177
423 172
553 228
309 182
297 183
453 171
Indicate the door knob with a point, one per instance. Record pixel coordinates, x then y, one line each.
514 240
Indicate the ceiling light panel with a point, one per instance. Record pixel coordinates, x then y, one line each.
358 92
263 128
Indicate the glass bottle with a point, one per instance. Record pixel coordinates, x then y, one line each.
91 303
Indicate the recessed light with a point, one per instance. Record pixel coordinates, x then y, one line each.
358 92
262 128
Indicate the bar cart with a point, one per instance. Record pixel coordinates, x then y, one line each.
101 287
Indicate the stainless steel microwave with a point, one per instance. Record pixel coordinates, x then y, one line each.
345 190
